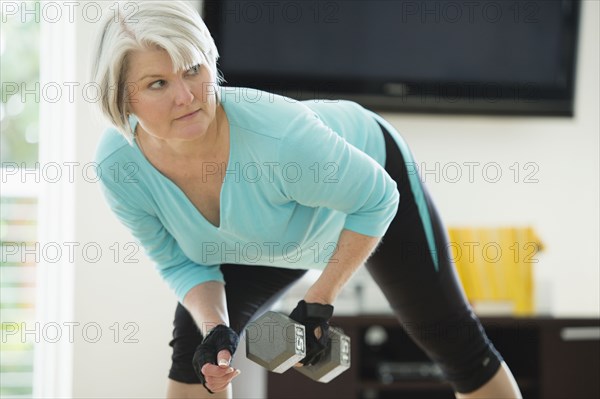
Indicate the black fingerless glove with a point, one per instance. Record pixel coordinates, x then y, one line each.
219 338
313 315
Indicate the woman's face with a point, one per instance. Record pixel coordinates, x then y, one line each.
170 106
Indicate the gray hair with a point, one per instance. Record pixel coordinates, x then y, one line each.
173 26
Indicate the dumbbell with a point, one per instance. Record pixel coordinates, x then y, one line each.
333 362
277 342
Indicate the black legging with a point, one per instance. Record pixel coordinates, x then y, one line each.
428 299
424 293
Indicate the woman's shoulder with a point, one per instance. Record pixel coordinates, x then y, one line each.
116 157
262 112
112 144
339 111
253 108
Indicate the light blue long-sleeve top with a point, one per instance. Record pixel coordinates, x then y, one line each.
298 173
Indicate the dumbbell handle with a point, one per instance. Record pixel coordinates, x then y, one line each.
334 361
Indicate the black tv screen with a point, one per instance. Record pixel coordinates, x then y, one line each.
495 57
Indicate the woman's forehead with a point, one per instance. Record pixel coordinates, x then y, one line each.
149 61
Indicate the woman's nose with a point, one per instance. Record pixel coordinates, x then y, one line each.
183 93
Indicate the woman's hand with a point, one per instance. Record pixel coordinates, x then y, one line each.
213 357
315 317
219 376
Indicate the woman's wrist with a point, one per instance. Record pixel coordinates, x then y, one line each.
314 296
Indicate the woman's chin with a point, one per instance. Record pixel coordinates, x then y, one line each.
192 131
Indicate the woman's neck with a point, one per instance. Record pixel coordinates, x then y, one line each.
204 147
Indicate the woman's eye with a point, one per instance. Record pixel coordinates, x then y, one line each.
194 70
158 84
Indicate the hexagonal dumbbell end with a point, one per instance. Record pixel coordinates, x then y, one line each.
275 341
334 361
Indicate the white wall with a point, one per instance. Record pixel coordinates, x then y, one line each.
562 206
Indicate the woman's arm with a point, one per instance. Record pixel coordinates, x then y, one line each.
207 304
356 185
352 251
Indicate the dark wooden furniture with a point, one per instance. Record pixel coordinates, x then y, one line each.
550 358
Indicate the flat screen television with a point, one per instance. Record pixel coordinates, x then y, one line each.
483 56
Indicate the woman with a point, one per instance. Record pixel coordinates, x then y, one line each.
234 193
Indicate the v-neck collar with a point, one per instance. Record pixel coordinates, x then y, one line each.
133 121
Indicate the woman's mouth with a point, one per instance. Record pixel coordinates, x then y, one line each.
187 116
